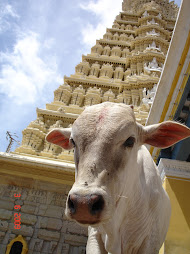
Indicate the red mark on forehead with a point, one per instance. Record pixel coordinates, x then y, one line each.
102 115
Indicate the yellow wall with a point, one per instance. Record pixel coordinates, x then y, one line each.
178 237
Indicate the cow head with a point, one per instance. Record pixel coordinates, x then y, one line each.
106 140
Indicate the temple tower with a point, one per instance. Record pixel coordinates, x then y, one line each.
123 67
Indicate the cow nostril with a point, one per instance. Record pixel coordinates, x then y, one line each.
97 204
72 204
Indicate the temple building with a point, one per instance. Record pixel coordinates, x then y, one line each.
174 162
124 67
130 65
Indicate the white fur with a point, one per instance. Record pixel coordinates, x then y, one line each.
136 212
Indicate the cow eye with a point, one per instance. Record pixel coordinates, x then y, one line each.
73 142
129 142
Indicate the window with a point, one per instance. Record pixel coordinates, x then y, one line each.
17 246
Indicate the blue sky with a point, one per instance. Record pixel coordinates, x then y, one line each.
40 42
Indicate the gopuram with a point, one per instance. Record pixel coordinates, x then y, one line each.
123 67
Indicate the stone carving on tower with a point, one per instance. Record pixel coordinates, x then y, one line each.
123 67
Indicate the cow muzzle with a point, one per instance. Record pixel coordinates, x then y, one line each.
85 209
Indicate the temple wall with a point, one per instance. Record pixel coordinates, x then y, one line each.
43 224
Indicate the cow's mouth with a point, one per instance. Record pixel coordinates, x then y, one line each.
85 209
85 218
87 223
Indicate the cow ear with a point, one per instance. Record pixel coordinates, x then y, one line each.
60 137
165 134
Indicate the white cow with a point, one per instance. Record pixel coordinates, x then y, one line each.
118 191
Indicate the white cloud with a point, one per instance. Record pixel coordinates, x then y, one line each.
24 74
9 11
105 11
6 13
